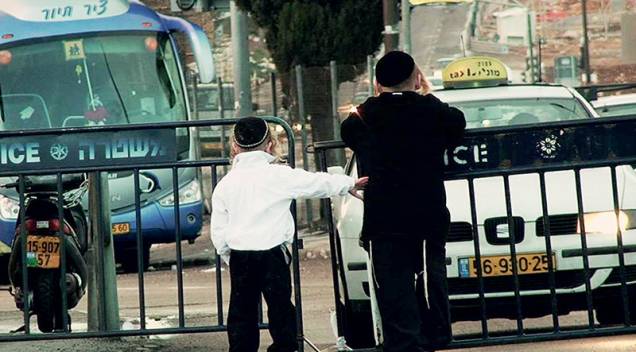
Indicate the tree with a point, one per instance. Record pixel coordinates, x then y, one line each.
311 33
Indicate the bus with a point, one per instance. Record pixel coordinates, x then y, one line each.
76 63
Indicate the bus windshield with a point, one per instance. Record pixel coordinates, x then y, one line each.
90 80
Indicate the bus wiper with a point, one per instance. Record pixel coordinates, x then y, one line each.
166 80
1 105
112 80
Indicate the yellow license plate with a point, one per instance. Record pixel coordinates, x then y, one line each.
531 263
121 229
43 252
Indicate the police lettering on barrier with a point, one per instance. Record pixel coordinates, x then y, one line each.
19 153
83 149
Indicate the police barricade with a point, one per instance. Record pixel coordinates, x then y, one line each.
42 164
558 259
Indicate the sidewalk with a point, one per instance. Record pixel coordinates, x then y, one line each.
201 252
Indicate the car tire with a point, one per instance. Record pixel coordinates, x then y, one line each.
609 309
4 269
358 327
128 259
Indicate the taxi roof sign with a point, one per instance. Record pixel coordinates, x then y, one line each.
476 71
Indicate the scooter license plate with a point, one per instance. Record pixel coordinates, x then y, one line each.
43 252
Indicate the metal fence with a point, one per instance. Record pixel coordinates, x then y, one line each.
99 151
587 269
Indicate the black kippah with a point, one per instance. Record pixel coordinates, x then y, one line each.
394 68
250 132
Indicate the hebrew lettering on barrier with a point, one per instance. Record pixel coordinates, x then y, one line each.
156 148
84 148
120 148
139 148
107 146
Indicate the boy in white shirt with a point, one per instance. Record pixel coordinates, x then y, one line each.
252 224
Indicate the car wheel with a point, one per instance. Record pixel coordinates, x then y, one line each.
4 269
609 309
128 259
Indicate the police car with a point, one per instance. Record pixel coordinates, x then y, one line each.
489 103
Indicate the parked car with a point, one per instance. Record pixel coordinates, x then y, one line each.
616 105
487 106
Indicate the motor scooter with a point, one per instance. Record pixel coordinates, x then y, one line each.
41 222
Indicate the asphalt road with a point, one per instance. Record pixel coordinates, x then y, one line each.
435 33
200 310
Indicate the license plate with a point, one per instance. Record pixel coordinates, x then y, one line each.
532 263
121 229
43 252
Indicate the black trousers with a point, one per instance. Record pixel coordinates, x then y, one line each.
253 273
409 323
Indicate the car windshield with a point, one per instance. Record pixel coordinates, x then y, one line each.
92 80
618 110
511 112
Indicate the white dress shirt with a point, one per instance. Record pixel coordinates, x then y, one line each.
250 205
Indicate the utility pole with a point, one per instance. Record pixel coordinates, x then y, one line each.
103 305
530 47
406 26
241 60
391 33
586 48
540 75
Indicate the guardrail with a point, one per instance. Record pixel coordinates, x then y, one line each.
106 149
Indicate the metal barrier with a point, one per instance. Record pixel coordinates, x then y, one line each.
504 155
104 149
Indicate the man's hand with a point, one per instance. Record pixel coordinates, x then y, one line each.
423 87
360 184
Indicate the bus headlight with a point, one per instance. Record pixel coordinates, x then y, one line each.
189 193
606 222
9 208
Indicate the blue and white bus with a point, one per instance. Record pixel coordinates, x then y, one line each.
69 63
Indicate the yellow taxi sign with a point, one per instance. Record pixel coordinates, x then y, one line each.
474 71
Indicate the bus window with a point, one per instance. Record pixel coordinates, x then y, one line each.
81 81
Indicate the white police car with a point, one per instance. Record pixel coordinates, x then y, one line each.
507 105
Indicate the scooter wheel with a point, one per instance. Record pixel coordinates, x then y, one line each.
44 301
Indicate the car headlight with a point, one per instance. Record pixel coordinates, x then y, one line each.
606 222
189 193
9 208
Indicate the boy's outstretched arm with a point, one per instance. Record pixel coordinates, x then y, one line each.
304 184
